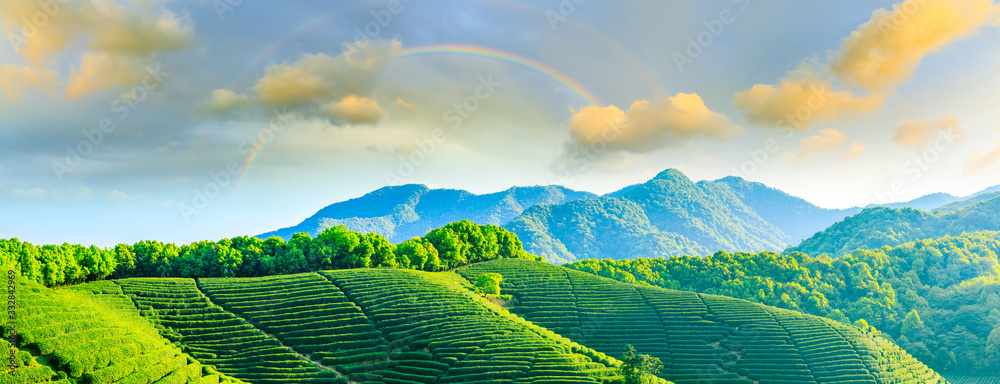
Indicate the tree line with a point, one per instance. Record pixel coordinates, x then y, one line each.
448 247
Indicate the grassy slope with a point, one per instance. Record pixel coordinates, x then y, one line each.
373 326
399 326
217 337
93 334
701 337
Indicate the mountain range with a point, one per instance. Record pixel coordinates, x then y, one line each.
877 227
668 215
403 212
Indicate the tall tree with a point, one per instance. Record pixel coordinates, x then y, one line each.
637 368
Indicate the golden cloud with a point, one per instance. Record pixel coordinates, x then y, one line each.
14 80
912 133
405 106
319 85
102 71
647 126
356 110
878 56
224 100
828 140
119 37
855 151
980 162
884 51
801 100
319 77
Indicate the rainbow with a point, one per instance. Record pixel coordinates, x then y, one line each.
473 50
259 147
649 78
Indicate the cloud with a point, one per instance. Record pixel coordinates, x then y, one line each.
405 106
828 140
119 39
980 162
39 194
102 71
648 126
356 110
881 54
855 151
915 134
319 85
14 80
140 34
224 100
801 100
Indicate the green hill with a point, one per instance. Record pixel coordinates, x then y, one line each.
700 338
959 205
398 326
365 325
877 227
939 299
75 336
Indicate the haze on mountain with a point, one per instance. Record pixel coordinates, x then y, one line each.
403 212
668 215
877 227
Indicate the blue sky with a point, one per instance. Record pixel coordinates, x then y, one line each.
166 103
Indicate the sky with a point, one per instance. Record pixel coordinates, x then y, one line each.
181 121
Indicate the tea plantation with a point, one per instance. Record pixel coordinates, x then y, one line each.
92 334
398 326
700 338
956 379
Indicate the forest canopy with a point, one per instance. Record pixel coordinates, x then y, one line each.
451 246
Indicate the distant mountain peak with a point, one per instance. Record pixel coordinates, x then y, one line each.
672 174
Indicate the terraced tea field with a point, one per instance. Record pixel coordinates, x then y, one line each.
94 335
701 338
956 379
395 326
216 337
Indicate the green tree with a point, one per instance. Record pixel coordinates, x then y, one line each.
452 251
418 254
358 253
190 262
913 328
226 259
28 258
274 249
383 251
124 261
489 283
638 368
295 260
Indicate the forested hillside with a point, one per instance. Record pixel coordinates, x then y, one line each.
400 213
877 227
939 299
666 216
669 215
